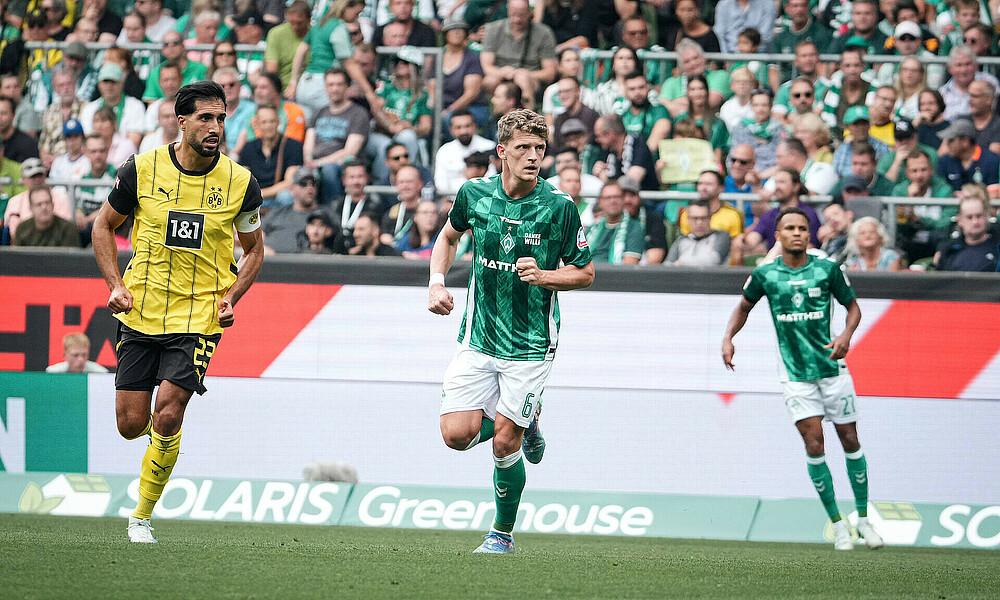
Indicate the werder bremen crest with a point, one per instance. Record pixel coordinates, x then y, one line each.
797 299
215 198
507 243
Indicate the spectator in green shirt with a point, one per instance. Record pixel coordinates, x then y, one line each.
283 40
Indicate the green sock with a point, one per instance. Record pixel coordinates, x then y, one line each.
508 483
823 480
485 433
857 472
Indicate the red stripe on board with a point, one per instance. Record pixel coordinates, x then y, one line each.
268 318
925 349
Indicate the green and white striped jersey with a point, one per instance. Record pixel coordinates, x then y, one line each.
505 317
801 310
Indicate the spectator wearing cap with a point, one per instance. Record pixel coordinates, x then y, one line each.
158 22
317 237
173 51
283 224
463 75
76 60
26 118
893 164
856 124
44 227
651 220
963 67
249 30
72 163
907 40
273 158
19 206
129 113
405 116
519 50
966 161
865 166
449 161
167 129
284 39
17 144
853 90
575 135
584 117
984 119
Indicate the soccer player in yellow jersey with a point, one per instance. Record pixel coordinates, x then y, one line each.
179 290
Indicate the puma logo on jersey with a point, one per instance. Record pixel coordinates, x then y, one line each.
166 193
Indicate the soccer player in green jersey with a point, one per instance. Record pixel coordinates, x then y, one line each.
799 287
528 245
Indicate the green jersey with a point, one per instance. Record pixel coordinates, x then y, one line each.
505 317
801 310
642 124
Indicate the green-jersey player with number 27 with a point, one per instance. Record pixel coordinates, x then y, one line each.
800 287
528 245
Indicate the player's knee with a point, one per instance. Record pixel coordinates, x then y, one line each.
814 447
506 443
131 425
456 438
850 442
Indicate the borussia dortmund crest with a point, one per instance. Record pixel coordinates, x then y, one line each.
797 299
215 198
507 243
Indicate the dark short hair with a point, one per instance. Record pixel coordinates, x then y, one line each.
189 95
273 79
10 101
462 112
701 203
571 149
718 176
170 64
389 148
635 75
921 154
806 43
901 6
751 34
793 174
106 113
863 148
337 71
478 159
372 217
795 145
33 191
791 210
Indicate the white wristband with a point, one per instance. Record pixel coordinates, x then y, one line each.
436 278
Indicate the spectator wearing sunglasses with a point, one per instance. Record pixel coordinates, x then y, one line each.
807 68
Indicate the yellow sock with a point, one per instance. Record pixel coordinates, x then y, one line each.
161 455
146 429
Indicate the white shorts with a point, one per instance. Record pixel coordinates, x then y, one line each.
476 381
832 398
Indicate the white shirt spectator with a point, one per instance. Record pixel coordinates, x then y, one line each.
121 149
818 177
449 164
132 118
732 113
64 168
154 139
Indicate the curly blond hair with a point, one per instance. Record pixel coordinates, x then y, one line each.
524 120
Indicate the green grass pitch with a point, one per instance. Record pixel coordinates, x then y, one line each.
63 557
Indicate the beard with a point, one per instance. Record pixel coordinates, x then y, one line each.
199 146
642 104
465 140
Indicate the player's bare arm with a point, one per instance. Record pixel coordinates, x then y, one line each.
736 323
106 252
253 258
568 277
842 343
440 301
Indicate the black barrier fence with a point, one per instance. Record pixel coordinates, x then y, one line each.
347 270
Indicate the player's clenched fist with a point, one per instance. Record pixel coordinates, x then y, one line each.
226 315
440 301
528 271
120 300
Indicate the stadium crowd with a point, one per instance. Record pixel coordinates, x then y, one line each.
319 116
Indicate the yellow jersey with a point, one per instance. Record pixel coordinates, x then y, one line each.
726 219
182 238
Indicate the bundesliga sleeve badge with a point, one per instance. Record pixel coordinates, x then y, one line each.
581 239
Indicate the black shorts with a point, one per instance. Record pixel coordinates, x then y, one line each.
146 360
